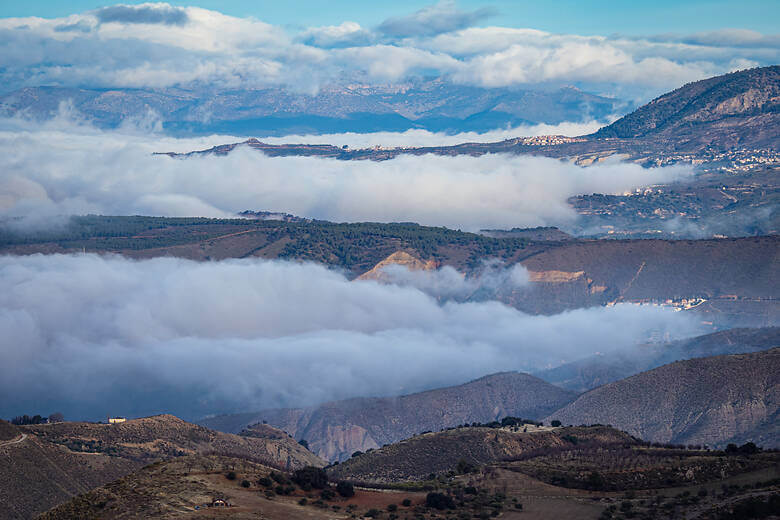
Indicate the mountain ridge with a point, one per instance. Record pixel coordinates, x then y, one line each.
337 429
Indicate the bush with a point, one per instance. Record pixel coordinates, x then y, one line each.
406 502
327 494
556 423
304 443
265 482
373 513
357 453
464 467
345 489
311 477
303 501
439 501
596 481
392 508
231 475
245 483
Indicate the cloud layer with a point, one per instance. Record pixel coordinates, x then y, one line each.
62 168
90 335
158 45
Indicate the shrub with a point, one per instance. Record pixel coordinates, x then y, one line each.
439 501
556 423
345 489
265 482
392 508
231 475
373 513
304 443
327 494
311 476
464 467
245 483
406 502
303 501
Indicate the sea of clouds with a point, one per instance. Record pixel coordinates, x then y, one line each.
90 335
65 167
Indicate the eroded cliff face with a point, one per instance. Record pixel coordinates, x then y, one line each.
401 258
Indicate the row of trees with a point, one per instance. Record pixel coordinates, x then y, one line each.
37 419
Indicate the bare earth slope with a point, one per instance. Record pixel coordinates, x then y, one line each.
57 461
336 430
711 400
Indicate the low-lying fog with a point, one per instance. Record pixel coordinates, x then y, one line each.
62 168
92 335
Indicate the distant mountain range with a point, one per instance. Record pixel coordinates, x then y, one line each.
708 399
432 105
336 430
704 119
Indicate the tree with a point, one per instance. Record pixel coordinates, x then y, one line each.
311 476
556 423
345 489
304 443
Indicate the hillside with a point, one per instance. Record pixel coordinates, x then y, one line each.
711 401
57 461
184 487
594 371
737 109
733 278
336 430
418 457
8 431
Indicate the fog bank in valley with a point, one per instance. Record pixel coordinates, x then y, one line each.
64 168
90 335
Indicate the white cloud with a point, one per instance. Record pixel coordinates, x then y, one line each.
158 45
77 169
86 333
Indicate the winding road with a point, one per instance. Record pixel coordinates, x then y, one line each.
19 439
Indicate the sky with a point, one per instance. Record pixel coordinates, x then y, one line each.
566 16
629 50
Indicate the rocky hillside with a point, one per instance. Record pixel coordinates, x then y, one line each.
736 107
336 430
594 371
416 458
54 462
713 400
8 431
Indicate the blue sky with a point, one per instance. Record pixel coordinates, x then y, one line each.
628 50
563 16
